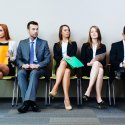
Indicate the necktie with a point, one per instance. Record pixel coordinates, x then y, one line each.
32 53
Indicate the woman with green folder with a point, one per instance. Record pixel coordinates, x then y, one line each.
65 48
94 58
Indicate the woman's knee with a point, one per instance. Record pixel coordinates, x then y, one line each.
4 69
97 64
67 71
1 75
63 63
101 71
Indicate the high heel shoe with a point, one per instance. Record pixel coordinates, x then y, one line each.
67 104
102 105
53 93
85 98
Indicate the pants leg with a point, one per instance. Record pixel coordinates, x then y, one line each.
33 84
23 82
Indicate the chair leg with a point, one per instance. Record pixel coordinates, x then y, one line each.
50 84
113 89
17 94
78 92
109 88
13 98
46 93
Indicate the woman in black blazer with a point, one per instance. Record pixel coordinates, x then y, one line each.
94 63
63 49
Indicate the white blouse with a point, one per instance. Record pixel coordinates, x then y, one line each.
64 48
94 48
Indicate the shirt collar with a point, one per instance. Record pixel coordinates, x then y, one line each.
33 40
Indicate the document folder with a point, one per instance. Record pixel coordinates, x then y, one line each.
74 62
3 54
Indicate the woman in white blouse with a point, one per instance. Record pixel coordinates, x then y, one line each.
65 48
11 54
94 59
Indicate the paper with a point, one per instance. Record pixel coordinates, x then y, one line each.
3 54
100 57
74 62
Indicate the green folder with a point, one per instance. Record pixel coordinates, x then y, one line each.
74 62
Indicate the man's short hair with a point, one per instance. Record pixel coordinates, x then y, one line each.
31 22
124 30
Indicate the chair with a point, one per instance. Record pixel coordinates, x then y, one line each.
105 78
53 77
46 91
14 86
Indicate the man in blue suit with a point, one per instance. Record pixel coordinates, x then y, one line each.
33 56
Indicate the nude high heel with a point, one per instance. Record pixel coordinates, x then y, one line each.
67 104
53 93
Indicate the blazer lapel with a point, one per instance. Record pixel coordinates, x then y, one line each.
122 49
38 44
68 48
27 49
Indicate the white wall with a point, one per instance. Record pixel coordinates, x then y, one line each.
78 14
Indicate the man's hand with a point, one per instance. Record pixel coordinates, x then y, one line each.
26 66
34 66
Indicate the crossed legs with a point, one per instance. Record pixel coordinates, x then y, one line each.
96 77
63 74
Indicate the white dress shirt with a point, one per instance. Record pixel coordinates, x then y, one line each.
64 48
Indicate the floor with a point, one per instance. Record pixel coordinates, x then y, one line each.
55 114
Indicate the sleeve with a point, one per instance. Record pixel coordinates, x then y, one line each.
103 62
47 56
57 56
74 50
83 57
19 56
113 56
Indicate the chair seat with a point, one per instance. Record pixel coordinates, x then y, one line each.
54 77
8 77
42 77
87 77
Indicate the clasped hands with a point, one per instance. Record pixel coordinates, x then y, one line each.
30 66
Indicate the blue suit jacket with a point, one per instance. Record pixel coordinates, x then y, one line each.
42 53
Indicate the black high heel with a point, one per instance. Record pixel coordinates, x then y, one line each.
85 98
102 105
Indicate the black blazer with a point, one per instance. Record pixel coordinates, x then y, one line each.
116 54
57 49
87 54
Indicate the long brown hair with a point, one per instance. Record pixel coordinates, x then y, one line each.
99 39
6 31
60 33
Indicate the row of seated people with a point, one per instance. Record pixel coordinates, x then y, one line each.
33 55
